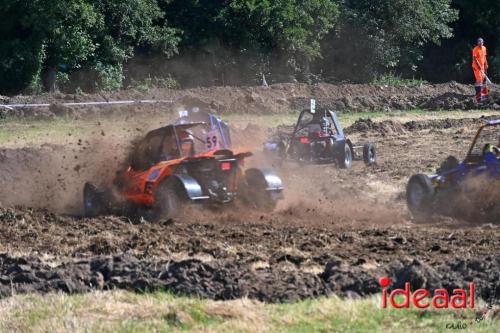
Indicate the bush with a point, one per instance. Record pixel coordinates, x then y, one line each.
110 77
155 82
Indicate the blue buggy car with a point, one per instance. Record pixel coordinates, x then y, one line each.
469 189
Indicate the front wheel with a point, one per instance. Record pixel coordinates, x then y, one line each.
94 201
419 196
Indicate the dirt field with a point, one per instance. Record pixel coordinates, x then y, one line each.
337 231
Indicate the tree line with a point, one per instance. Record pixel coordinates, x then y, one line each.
111 44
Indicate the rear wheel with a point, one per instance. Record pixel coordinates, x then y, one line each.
170 200
254 192
369 154
345 158
94 201
420 196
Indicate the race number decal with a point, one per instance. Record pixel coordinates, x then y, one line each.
212 140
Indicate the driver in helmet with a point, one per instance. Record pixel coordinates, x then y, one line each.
186 143
491 150
326 133
171 149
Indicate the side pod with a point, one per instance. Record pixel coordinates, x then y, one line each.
192 187
272 181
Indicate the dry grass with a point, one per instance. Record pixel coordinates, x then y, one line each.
121 311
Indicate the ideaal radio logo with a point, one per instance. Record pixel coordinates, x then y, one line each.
438 299
419 298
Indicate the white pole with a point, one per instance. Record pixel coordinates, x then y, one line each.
45 105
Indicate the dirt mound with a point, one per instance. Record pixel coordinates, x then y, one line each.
386 127
271 238
454 101
392 127
279 98
446 123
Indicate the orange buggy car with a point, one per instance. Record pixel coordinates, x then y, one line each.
188 161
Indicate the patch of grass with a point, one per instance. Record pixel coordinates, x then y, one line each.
397 81
15 130
155 82
121 311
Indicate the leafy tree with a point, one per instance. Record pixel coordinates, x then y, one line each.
21 47
68 30
251 36
41 34
290 26
377 36
287 31
237 40
129 24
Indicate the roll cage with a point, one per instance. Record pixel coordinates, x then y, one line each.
216 124
473 157
203 131
315 118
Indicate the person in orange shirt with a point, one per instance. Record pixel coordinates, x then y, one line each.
479 67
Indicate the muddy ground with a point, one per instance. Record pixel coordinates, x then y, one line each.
337 231
230 258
